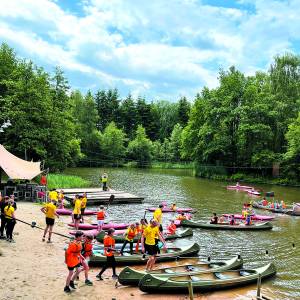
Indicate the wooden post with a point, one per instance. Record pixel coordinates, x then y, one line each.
258 286
191 292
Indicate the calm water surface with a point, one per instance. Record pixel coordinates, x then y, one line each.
211 196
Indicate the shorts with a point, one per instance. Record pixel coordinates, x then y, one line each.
151 249
82 211
100 222
160 228
72 268
77 216
49 221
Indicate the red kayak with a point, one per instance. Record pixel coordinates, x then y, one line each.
94 232
68 212
86 226
170 210
253 217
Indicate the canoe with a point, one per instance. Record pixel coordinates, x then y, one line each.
227 226
169 210
254 193
68 212
274 210
121 239
87 226
91 232
244 188
203 282
253 217
98 258
129 276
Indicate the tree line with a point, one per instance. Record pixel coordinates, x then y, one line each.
249 121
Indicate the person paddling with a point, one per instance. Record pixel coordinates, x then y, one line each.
101 215
109 249
50 211
73 260
148 243
130 234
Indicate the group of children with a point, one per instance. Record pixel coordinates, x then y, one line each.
276 204
8 207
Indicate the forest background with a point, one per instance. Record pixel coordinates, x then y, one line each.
244 129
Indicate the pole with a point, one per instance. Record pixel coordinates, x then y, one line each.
191 291
258 286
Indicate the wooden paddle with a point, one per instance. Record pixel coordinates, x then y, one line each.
110 200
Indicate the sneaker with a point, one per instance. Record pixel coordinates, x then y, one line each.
88 282
49 241
43 239
67 289
72 285
12 241
114 276
99 277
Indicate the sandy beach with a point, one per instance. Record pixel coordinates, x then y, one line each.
32 269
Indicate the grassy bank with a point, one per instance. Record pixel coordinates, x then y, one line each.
66 181
162 165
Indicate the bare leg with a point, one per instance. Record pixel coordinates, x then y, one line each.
45 232
76 273
69 277
152 263
50 232
86 269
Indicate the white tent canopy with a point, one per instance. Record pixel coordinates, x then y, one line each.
17 168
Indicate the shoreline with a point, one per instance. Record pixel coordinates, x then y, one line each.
33 269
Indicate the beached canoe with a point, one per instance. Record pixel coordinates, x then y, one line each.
227 226
87 226
203 282
98 258
68 212
239 187
253 217
170 210
121 238
129 276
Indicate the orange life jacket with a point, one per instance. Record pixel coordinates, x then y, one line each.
72 255
100 215
109 244
87 248
131 234
180 218
172 228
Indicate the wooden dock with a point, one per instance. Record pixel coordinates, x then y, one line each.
97 196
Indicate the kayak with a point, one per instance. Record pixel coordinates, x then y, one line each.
129 276
170 210
227 226
254 193
244 188
68 212
203 282
87 226
272 209
98 258
121 238
91 232
253 217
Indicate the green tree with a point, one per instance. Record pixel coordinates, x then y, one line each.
175 142
184 108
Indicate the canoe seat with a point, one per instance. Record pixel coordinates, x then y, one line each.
169 271
195 278
190 268
221 275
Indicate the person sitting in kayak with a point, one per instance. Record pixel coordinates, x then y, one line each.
248 220
172 228
232 221
101 215
214 219
130 234
283 205
181 217
173 207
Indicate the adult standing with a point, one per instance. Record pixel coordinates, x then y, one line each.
3 203
157 216
149 243
77 211
50 211
104 179
83 205
10 221
109 249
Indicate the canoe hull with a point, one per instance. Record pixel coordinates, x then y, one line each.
155 284
68 212
261 226
129 276
254 217
98 259
86 226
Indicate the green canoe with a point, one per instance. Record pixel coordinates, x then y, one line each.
129 276
227 226
202 282
98 258
121 238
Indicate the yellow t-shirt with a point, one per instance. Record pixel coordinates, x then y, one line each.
77 207
50 210
8 212
157 215
53 195
150 234
83 202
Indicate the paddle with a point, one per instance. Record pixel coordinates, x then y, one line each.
110 200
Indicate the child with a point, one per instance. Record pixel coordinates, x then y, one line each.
101 215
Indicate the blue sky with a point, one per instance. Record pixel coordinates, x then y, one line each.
160 49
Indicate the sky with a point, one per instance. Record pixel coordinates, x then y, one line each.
158 49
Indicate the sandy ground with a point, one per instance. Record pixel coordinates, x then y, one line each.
32 269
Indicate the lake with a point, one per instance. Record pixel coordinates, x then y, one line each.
208 196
